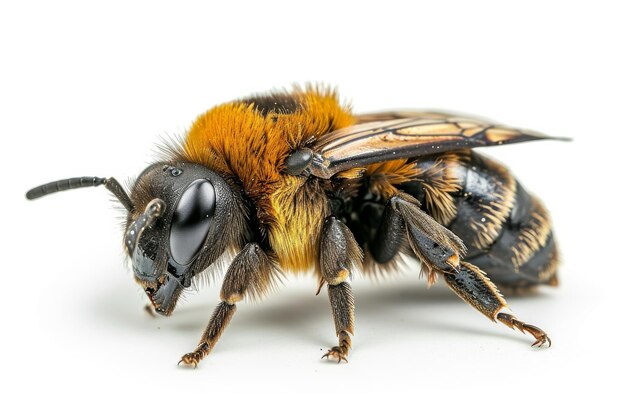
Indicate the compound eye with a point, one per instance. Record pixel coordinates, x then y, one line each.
191 221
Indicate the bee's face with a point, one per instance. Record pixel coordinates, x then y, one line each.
180 226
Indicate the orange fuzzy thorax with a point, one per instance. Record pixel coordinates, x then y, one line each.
238 141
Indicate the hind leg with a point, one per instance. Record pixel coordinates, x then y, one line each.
469 283
440 251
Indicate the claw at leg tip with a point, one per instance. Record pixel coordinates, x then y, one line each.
335 353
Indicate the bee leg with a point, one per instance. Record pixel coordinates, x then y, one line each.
441 251
438 249
339 256
217 324
470 283
342 304
390 236
248 274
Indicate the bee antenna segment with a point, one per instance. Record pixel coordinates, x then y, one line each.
110 184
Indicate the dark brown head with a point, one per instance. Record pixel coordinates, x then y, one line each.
185 217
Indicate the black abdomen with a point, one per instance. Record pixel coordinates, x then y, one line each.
507 231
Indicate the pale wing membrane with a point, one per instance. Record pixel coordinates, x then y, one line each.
378 141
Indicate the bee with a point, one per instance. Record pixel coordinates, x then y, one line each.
293 181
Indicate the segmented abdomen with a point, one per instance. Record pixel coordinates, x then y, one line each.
506 230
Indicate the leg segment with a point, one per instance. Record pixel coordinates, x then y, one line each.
476 289
540 336
342 304
440 251
249 275
390 236
339 256
469 283
217 324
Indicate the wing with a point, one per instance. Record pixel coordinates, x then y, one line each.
394 136
403 114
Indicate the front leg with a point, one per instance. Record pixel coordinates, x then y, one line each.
339 256
249 274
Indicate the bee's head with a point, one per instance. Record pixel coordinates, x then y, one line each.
181 218
184 217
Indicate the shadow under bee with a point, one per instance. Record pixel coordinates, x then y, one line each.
293 312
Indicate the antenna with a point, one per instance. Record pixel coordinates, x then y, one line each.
110 184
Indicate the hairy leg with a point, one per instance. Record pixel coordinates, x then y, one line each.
342 304
440 251
340 255
249 274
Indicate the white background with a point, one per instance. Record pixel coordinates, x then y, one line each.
89 89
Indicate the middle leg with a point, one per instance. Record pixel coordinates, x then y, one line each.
340 255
